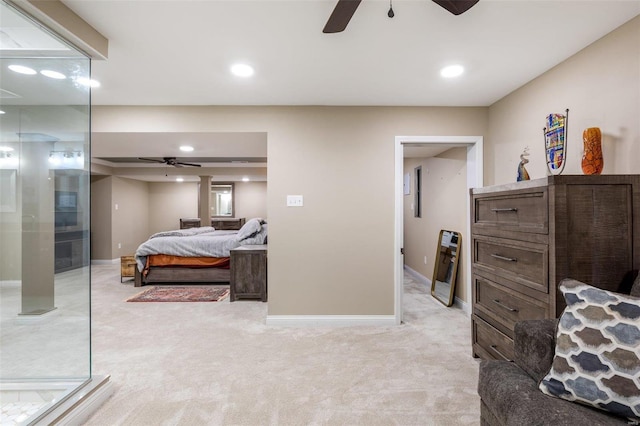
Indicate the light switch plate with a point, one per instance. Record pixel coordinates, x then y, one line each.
294 200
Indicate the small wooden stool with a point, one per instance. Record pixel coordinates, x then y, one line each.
127 267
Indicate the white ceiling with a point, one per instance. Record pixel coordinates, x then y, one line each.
178 52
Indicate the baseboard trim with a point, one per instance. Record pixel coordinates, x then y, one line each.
418 276
330 320
461 304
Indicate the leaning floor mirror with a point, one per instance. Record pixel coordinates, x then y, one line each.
443 284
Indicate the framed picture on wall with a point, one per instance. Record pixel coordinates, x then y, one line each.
8 190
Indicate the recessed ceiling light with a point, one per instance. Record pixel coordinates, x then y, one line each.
245 179
452 71
2 112
53 74
22 69
88 82
242 70
186 148
179 179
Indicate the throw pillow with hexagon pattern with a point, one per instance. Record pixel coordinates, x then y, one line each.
597 359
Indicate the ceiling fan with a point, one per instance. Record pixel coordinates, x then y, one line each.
170 161
345 9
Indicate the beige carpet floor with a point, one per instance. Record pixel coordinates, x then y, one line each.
219 364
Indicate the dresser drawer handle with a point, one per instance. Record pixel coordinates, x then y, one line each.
502 305
511 209
508 259
495 349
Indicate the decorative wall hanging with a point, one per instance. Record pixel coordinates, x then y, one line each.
522 172
592 161
555 141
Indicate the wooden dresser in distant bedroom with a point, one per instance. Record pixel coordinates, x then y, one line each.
230 223
527 236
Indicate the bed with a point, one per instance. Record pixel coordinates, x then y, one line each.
193 255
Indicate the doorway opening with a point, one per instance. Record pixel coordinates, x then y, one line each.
475 173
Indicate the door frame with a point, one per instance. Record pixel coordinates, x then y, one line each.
475 178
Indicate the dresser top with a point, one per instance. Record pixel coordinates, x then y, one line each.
559 180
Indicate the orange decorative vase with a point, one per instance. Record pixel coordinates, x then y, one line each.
592 161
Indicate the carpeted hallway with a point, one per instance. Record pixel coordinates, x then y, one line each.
219 364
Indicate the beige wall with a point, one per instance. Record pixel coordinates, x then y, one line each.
130 225
168 202
444 206
600 86
118 231
250 199
335 255
101 217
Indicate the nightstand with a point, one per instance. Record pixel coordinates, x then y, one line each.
248 273
127 267
189 223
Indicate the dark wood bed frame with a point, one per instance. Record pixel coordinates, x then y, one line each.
165 275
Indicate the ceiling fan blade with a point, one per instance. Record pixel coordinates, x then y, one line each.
153 160
457 7
170 161
341 16
180 164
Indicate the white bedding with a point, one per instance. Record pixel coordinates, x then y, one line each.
198 242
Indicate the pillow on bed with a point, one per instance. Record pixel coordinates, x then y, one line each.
250 228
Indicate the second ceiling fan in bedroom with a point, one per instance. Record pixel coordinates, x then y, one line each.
169 161
345 9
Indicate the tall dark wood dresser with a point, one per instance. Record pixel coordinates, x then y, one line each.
528 236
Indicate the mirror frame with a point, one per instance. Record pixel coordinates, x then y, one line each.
233 199
454 273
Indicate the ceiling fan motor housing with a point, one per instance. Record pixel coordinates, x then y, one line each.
344 10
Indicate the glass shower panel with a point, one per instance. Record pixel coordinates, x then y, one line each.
45 345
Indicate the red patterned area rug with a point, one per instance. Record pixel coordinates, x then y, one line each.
181 294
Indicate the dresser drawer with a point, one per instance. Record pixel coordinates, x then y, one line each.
523 262
490 342
520 212
505 306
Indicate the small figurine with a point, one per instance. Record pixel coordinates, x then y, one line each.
522 172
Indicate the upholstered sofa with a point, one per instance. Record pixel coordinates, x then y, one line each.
509 391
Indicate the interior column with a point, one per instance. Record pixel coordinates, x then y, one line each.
205 193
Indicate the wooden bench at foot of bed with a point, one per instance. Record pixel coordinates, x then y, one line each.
165 275
162 268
